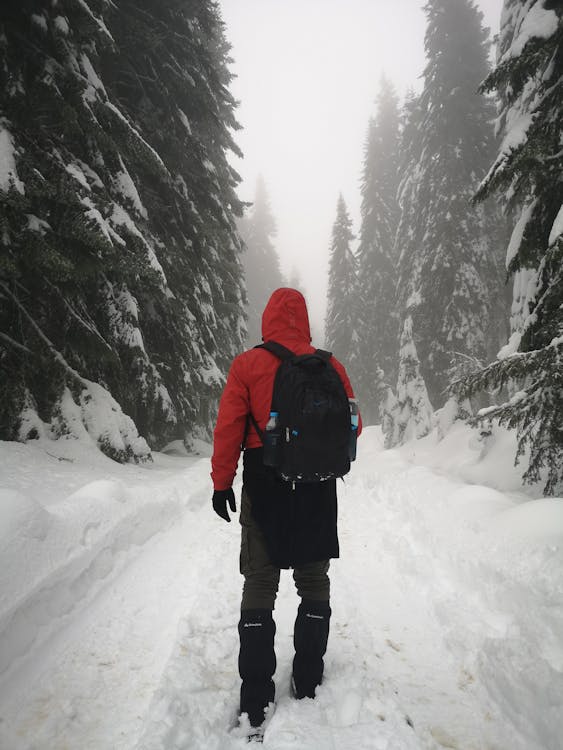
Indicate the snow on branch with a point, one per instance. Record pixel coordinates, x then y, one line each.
8 173
135 133
98 21
91 327
56 354
97 413
14 343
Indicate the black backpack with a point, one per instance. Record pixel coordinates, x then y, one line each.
314 417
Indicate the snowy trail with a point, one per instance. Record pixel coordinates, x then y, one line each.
132 643
387 663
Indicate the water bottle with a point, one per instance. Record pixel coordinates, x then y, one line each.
272 441
354 421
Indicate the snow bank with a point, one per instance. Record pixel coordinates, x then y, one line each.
21 518
114 432
56 554
94 418
489 554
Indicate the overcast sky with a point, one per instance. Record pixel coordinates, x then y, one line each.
307 78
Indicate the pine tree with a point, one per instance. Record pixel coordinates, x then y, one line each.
57 241
261 261
445 258
341 324
411 413
411 222
172 68
114 243
527 174
377 264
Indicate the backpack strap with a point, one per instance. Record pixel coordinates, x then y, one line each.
283 353
280 351
319 355
250 420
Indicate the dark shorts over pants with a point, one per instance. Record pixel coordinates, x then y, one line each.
261 578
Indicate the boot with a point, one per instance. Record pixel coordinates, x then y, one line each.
310 638
257 663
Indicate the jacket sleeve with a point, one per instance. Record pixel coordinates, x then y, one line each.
341 370
230 428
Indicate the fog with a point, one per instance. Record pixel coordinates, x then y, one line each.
307 77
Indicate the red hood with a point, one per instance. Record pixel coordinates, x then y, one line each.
285 317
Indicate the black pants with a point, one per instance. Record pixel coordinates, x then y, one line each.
257 659
261 578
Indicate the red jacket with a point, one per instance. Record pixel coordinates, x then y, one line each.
250 382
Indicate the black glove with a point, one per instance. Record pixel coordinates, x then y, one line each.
220 498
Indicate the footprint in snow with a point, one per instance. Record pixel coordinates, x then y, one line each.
348 712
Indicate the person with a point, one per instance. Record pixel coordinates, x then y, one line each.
283 525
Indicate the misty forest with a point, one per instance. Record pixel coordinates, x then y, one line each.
132 272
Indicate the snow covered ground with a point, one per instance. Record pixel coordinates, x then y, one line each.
119 596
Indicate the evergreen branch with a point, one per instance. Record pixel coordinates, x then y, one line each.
135 74
500 372
98 21
60 458
88 326
15 343
149 17
56 354
550 158
515 366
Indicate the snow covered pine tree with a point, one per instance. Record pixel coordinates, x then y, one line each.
343 311
444 274
410 414
377 267
528 174
119 251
